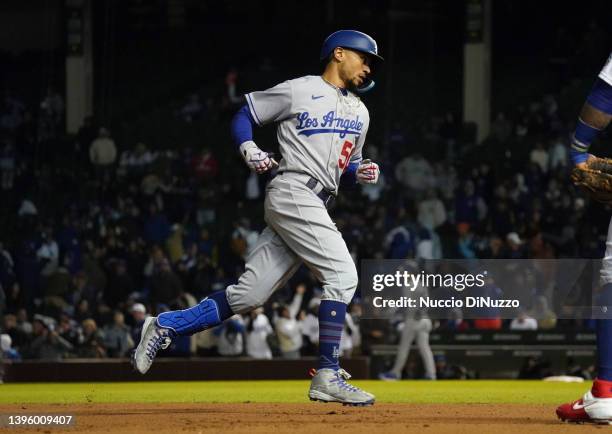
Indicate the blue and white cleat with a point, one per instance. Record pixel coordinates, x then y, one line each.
328 385
152 339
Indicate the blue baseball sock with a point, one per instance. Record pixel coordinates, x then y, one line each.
220 297
604 338
331 322
210 312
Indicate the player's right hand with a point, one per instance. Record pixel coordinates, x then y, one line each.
258 161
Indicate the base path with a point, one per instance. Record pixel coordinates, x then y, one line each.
301 418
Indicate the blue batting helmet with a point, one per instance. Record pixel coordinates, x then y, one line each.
350 39
354 40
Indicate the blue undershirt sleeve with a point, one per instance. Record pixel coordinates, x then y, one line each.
350 174
242 126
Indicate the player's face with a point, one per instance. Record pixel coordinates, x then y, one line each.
355 68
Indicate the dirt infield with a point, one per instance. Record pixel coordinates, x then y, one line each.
303 418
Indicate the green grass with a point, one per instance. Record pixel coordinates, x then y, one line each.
481 391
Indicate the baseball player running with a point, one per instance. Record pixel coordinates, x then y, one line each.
417 327
596 404
321 129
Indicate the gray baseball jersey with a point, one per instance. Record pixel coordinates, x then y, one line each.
320 128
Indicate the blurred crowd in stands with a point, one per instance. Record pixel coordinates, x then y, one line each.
96 234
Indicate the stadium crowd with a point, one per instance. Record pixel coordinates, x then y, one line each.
98 234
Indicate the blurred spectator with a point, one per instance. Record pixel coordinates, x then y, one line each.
102 155
12 112
428 246
469 206
92 343
156 226
69 330
350 337
523 322
489 318
8 353
23 322
27 208
465 244
539 156
399 243
51 115
120 283
83 290
310 327
501 129
546 318
103 151
455 323
558 154
134 162
83 311
139 314
117 339
205 166
230 337
57 291
231 82
444 371
258 329
84 137
48 253
46 343
415 173
166 287
243 238
53 105
431 211
535 368
515 246
174 244
19 338
193 109
288 328
8 163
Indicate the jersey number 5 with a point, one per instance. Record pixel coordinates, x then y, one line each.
345 155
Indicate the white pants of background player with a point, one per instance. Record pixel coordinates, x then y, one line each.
606 265
299 230
415 330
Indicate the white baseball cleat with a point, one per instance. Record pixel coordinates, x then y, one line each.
152 339
595 406
328 385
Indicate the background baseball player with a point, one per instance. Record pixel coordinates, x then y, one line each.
322 126
596 404
416 327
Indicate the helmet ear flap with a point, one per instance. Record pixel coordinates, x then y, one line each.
367 86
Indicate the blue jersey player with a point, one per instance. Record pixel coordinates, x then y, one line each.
596 404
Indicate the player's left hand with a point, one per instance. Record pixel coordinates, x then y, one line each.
367 172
